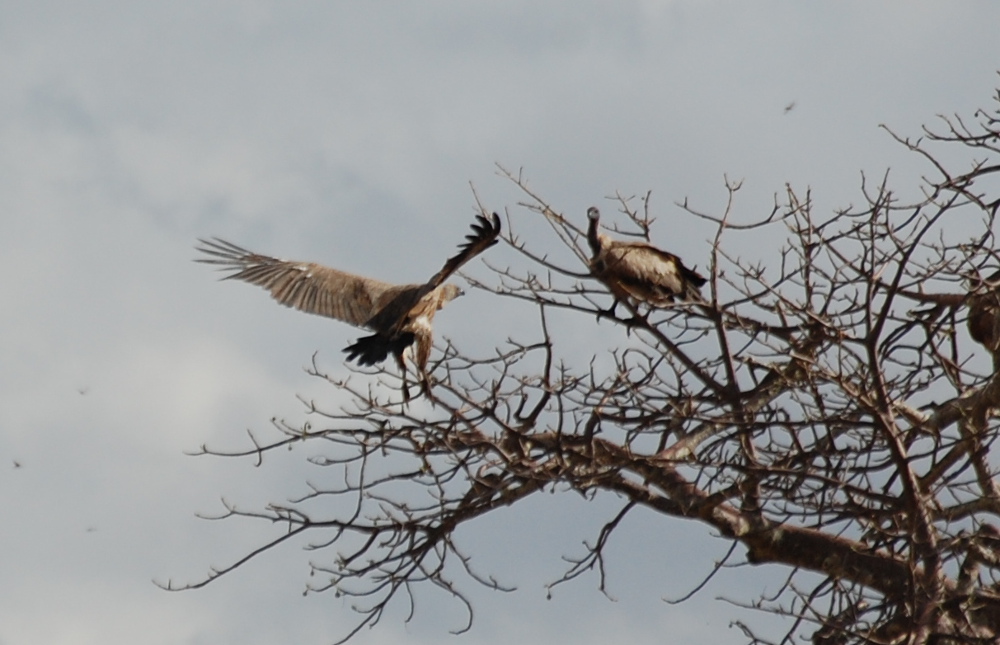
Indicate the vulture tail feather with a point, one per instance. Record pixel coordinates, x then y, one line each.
371 350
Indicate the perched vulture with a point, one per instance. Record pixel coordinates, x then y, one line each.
638 270
400 315
984 315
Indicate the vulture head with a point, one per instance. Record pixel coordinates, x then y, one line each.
594 219
448 293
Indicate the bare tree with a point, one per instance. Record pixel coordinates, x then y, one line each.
823 409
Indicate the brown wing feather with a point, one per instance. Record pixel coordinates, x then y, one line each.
484 235
646 262
646 272
306 286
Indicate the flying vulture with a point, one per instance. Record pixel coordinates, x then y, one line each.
638 270
984 315
400 315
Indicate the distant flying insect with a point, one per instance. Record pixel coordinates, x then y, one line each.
400 315
638 270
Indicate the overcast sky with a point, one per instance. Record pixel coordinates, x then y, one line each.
349 134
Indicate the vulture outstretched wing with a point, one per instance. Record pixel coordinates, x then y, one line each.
306 286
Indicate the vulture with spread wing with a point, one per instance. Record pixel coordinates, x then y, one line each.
400 315
638 270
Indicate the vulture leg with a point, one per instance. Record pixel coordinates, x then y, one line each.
630 322
422 377
425 387
609 312
401 362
